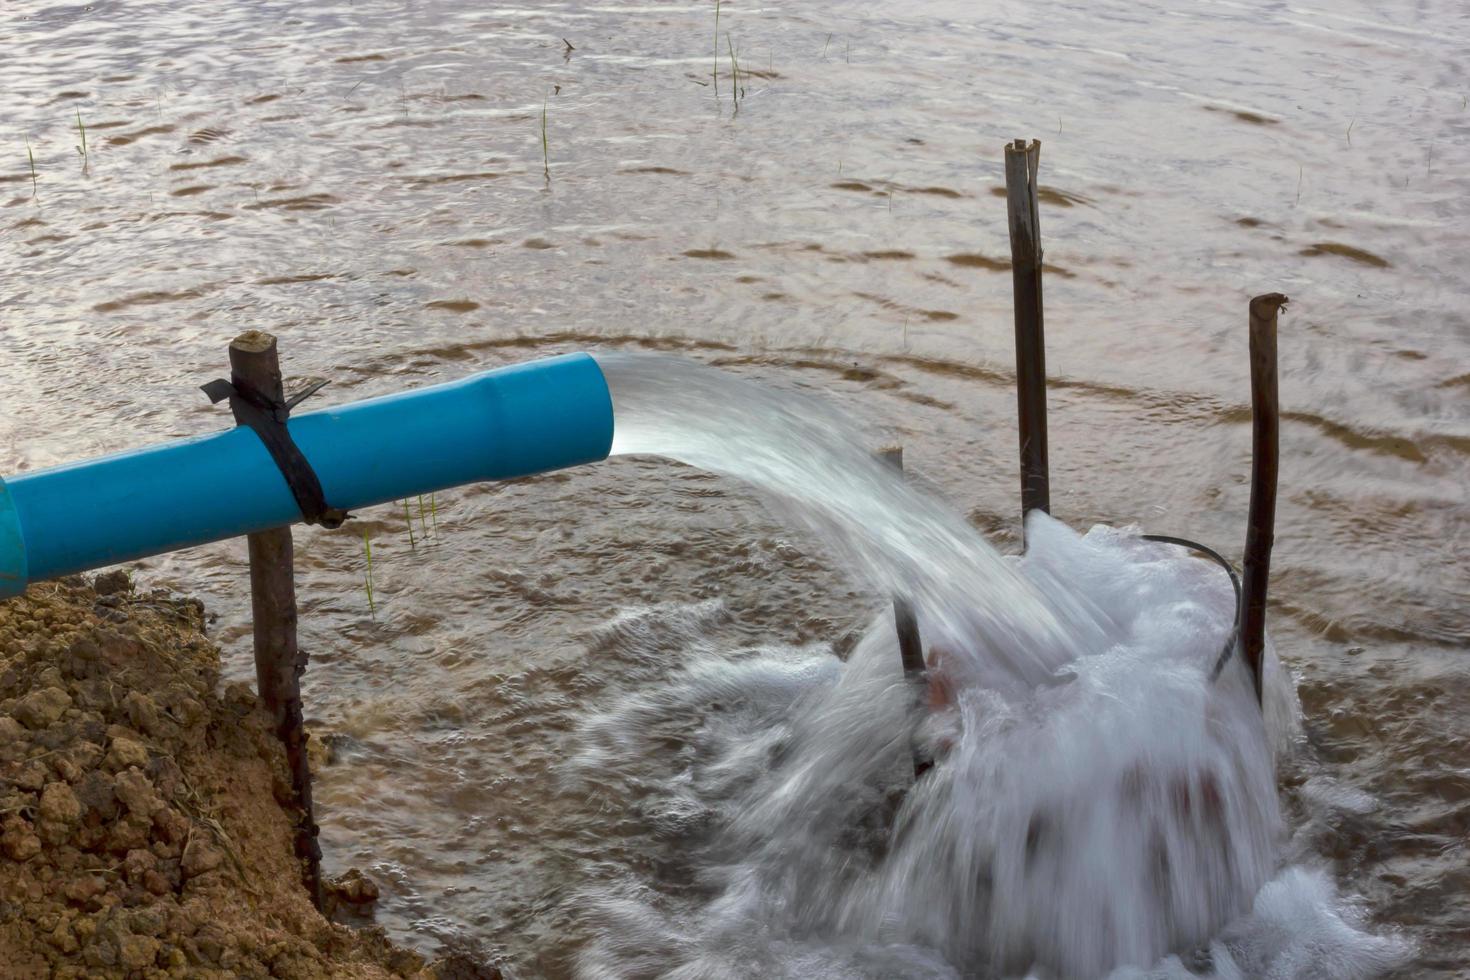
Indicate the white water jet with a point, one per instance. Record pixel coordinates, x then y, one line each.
1098 802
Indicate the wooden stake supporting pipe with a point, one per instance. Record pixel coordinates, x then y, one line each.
1260 532
255 370
1022 163
910 646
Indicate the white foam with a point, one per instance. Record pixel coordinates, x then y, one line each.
1100 805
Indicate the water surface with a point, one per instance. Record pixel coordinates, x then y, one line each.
367 181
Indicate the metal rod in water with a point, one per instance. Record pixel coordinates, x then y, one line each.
1260 531
255 371
1022 162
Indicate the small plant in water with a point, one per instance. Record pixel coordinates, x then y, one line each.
408 521
82 130
545 147
715 68
367 574
737 91
423 525
32 157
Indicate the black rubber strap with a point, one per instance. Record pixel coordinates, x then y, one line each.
1234 640
268 420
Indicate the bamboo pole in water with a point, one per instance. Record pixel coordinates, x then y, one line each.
910 646
1022 161
906 625
255 371
1260 531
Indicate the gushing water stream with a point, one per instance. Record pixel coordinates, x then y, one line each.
1096 803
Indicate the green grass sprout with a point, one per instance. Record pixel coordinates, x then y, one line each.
367 574
83 148
545 146
736 91
32 156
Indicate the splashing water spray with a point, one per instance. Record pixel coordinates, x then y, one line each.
1080 782
1094 792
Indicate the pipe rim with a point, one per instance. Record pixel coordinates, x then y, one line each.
13 566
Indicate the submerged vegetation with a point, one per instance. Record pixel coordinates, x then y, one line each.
545 146
737 92
367 573
428 518
82 148
32 156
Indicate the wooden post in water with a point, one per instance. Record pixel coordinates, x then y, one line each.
910 646
1022 163
906 624
255 371
1260 533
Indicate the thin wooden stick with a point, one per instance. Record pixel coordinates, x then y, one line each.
1260 532
1022 162
255 370
910 645
906 625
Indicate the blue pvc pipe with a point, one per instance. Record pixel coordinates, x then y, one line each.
514 421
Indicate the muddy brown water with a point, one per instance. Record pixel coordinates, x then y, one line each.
366 181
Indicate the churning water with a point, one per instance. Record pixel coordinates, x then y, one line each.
1097 803
366 181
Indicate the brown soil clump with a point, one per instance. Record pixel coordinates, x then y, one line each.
145 819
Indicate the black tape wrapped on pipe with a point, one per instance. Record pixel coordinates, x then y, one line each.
268 421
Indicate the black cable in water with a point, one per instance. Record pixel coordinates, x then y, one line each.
1234 639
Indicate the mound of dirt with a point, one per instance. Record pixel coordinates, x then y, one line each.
145 817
